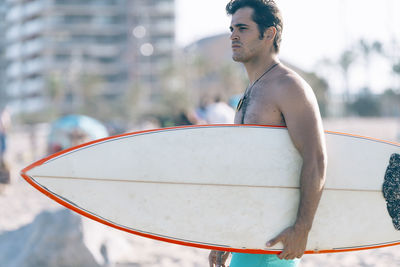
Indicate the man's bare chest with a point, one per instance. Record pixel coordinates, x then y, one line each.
259 108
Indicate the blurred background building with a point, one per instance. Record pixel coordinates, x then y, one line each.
60 51
2 54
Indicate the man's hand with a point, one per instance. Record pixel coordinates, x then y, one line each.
294 240
213 258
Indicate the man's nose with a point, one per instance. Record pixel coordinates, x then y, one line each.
234 36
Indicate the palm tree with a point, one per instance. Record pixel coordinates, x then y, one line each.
367 49
345 61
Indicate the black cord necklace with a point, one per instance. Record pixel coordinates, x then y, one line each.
244 101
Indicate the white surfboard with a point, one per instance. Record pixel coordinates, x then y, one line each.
225 187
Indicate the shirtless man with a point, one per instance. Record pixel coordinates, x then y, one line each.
276 95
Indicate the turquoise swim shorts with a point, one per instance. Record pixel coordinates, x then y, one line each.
260 260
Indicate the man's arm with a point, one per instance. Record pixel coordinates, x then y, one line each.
299 107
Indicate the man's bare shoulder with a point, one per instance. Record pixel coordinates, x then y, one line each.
292 87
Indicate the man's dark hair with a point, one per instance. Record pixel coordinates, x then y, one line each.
266 14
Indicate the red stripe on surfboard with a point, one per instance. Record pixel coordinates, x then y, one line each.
171 240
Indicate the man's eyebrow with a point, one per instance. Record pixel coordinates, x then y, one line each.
241 25
238 25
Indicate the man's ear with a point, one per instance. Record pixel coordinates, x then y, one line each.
270 33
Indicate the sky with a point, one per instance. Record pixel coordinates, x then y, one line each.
313 30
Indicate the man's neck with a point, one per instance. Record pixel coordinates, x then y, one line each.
257 68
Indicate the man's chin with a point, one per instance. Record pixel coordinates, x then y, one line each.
236 58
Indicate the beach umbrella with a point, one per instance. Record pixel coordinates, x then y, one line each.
72 130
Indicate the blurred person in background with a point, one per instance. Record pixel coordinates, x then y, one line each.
219 112
188 117
5 122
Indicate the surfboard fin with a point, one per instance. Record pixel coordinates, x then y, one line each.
391 189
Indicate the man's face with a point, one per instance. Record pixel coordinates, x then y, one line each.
246 43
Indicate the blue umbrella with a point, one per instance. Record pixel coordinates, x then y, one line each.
73 130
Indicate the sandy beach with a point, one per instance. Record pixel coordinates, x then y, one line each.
20 203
